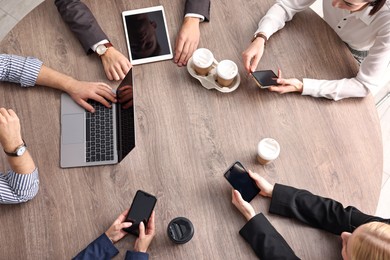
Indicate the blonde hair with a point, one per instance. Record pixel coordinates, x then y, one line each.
372 242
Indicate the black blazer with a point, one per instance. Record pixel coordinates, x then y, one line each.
84 25
316 211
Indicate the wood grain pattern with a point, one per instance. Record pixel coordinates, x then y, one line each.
187 136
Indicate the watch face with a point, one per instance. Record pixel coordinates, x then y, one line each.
21 151
101 49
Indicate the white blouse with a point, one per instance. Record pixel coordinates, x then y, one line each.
359 30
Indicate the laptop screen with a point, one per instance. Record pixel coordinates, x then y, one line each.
125 116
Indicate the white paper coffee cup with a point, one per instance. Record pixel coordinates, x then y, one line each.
268 150
203 60
226 72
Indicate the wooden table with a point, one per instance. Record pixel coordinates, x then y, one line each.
187 136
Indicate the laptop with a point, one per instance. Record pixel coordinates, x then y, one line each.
100 138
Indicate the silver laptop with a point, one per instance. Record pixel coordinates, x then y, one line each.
100 138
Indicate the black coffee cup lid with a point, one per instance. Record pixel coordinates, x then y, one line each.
180 230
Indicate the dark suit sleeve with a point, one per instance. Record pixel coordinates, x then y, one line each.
81 22
201 7
316 211
101 248
265 240
131 255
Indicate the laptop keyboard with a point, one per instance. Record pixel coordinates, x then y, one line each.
100 134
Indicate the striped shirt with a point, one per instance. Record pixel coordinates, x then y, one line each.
17 69
14 187
17 188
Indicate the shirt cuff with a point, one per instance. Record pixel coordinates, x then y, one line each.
132 255
201 17
94 47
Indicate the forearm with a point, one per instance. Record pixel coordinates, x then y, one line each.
201 7
334 89
265 240
81 22
316 211
22 164
279 14
54 79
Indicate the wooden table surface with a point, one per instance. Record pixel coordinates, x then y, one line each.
187 136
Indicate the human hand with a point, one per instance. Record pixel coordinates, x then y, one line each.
145 236
252 55
10 135
243 206
287 85
265 187
81 91
187 41
115 232
115 64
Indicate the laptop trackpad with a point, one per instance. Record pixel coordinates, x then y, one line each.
73 129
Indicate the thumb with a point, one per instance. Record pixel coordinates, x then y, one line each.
141 229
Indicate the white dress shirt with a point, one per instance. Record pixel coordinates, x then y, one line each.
358 29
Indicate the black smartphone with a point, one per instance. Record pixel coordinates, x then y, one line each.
239 178
140 210
265 78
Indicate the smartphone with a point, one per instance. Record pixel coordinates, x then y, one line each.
140 210
239 178
265 78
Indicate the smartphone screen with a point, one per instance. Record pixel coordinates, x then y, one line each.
140 210
239 178
265 78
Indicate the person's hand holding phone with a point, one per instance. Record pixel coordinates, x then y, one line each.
243 206
252 55
287 85
265 187
115 232
145 235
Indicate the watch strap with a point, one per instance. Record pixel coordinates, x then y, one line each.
14 153
261 35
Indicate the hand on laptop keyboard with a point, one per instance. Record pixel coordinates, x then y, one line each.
81 91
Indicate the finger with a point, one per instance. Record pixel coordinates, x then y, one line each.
141 230
125 225
276 89
151 224
12 113
125 67
190 52
119 71
86 105
247 62
279 73
114 74
183 54
107 95
123 215
255 62
178 49
101 100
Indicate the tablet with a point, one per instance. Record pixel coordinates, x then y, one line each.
147 35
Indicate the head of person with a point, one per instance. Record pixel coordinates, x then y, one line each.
357 5
143 36
369 241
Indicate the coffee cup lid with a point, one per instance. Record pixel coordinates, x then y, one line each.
203 58
180 230
268 149
227 69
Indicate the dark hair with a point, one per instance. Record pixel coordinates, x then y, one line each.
377 5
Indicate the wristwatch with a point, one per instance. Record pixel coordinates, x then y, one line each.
102 48
261 35
19 151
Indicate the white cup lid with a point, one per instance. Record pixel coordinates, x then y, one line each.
203 58
268 149
227 69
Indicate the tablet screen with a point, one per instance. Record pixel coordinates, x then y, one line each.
147 35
